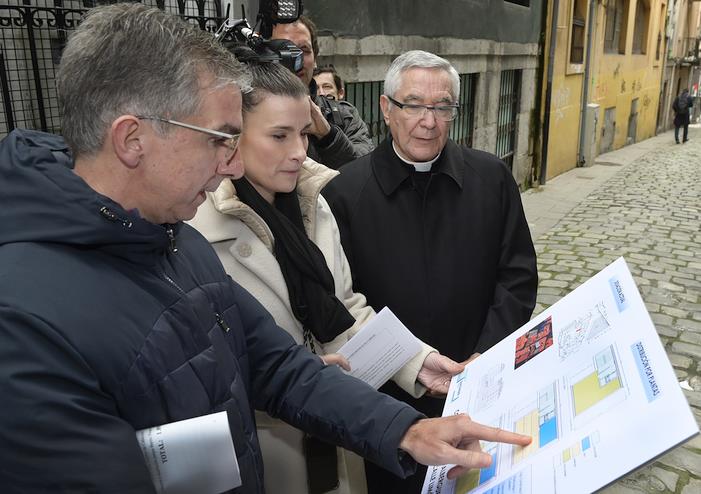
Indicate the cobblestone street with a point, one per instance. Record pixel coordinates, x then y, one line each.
648 211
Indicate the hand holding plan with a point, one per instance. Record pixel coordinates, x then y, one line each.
455 440
472 357
436 372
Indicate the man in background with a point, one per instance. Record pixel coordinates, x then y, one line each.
329 84
338 134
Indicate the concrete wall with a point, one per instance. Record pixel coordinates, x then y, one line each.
467 19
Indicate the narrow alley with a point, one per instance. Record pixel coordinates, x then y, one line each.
642 202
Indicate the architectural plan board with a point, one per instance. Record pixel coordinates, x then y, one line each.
588 379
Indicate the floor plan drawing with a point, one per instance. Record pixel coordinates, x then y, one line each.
538 418
596 386
588 380
583 329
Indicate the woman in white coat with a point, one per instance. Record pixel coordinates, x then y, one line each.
277 237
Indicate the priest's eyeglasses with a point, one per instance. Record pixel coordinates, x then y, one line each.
229 141
446 113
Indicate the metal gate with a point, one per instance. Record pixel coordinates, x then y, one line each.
608 130
509 97
32 37
462 129
365 96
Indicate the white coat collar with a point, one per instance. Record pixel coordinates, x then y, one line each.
213 219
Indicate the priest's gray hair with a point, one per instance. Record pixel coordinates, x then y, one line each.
422 60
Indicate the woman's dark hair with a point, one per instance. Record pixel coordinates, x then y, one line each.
267 77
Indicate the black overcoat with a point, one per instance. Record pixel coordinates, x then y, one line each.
455 264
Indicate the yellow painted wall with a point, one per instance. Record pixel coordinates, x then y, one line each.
565 101
615 80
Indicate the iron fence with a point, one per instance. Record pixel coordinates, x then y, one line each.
365 96
509 97
32 37
462 129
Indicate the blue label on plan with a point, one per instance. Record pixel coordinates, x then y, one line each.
647 376
618 295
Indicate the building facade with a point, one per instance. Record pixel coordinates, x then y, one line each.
494 46
681 69
605 60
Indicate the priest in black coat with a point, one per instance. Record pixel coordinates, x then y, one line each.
434 230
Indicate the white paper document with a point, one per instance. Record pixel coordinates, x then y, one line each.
589 380
380 349
194 455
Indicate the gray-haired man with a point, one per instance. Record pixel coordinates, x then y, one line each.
433 230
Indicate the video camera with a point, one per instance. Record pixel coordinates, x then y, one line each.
270 12
283 51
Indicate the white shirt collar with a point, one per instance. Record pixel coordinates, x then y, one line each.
419 166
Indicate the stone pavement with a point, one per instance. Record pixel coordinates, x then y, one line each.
642 202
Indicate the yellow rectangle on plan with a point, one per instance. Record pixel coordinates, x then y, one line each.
528 425
566 455
576 449
587 392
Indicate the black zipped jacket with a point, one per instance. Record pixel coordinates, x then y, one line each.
110 324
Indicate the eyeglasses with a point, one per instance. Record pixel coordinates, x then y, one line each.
441 112
230 141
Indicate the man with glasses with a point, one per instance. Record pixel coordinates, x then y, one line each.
433 230
338 134
115 316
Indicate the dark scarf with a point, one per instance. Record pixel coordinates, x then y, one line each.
308 279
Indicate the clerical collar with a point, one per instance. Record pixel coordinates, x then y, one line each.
419 166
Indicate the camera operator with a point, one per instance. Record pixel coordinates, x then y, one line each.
338 134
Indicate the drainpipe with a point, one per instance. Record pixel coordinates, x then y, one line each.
548 94
585 88
662 104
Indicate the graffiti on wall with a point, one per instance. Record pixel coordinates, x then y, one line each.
601 90
561 99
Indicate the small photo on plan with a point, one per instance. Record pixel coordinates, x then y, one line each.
533 342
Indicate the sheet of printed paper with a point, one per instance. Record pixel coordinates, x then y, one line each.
194 455
589 380
380 349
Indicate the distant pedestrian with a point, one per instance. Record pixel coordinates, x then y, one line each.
681 106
